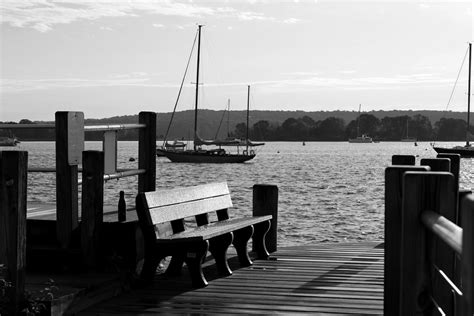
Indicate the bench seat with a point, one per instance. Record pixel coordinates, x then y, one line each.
214 229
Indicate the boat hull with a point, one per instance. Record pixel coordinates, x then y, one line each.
465 152
360 141
203 157
8 142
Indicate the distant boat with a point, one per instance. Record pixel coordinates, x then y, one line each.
6 141
217 155
466 151
362 138
407 138
176 145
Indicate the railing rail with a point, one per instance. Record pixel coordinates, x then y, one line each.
444 229
87 128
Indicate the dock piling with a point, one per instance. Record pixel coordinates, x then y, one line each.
13 183
69 146
147 152
92 205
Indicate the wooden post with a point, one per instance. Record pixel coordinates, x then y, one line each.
92 205
147 152
69 147
455 165
437 164
393 219
467 258
422 191
406 160
13 184
265 202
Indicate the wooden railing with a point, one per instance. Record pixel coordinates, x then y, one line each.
70 154
429 238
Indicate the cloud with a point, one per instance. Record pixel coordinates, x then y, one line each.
292 21
43 15
250 16
312 81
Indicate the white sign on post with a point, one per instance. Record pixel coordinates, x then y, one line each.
110 151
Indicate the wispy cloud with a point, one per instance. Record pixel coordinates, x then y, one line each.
250 16
43 15
292 21
142 79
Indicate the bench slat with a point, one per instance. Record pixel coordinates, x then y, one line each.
166 197
178 211
206 232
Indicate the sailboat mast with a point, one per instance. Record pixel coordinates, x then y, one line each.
358 121
248 109
228 114
468 97
197 86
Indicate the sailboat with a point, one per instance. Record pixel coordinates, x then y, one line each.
217 155
466 151
409 139
363 138
6 141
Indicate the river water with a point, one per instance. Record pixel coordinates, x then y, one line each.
328 192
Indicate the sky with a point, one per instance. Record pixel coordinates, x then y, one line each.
109 58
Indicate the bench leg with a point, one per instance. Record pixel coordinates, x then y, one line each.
218 247
195 253
261 230
150 264
176 264
241 240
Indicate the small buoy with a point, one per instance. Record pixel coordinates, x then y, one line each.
131 159
278 152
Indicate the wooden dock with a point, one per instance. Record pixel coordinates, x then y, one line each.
345 278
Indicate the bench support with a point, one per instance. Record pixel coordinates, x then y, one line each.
241 239
194 260
259 246
218 247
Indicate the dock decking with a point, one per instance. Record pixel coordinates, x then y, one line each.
344 278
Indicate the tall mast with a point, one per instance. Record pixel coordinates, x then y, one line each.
228 114
468 96
358 121
248 108
197 86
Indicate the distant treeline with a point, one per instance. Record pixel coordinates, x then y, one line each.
334 129
284 126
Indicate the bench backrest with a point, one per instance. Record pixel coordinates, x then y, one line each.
169 205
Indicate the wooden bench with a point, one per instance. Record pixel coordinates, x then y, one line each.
162 217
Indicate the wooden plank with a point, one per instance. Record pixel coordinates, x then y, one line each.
92 206
265 202
352 283
13 183
147 152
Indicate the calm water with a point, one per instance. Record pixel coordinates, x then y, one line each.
327 191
